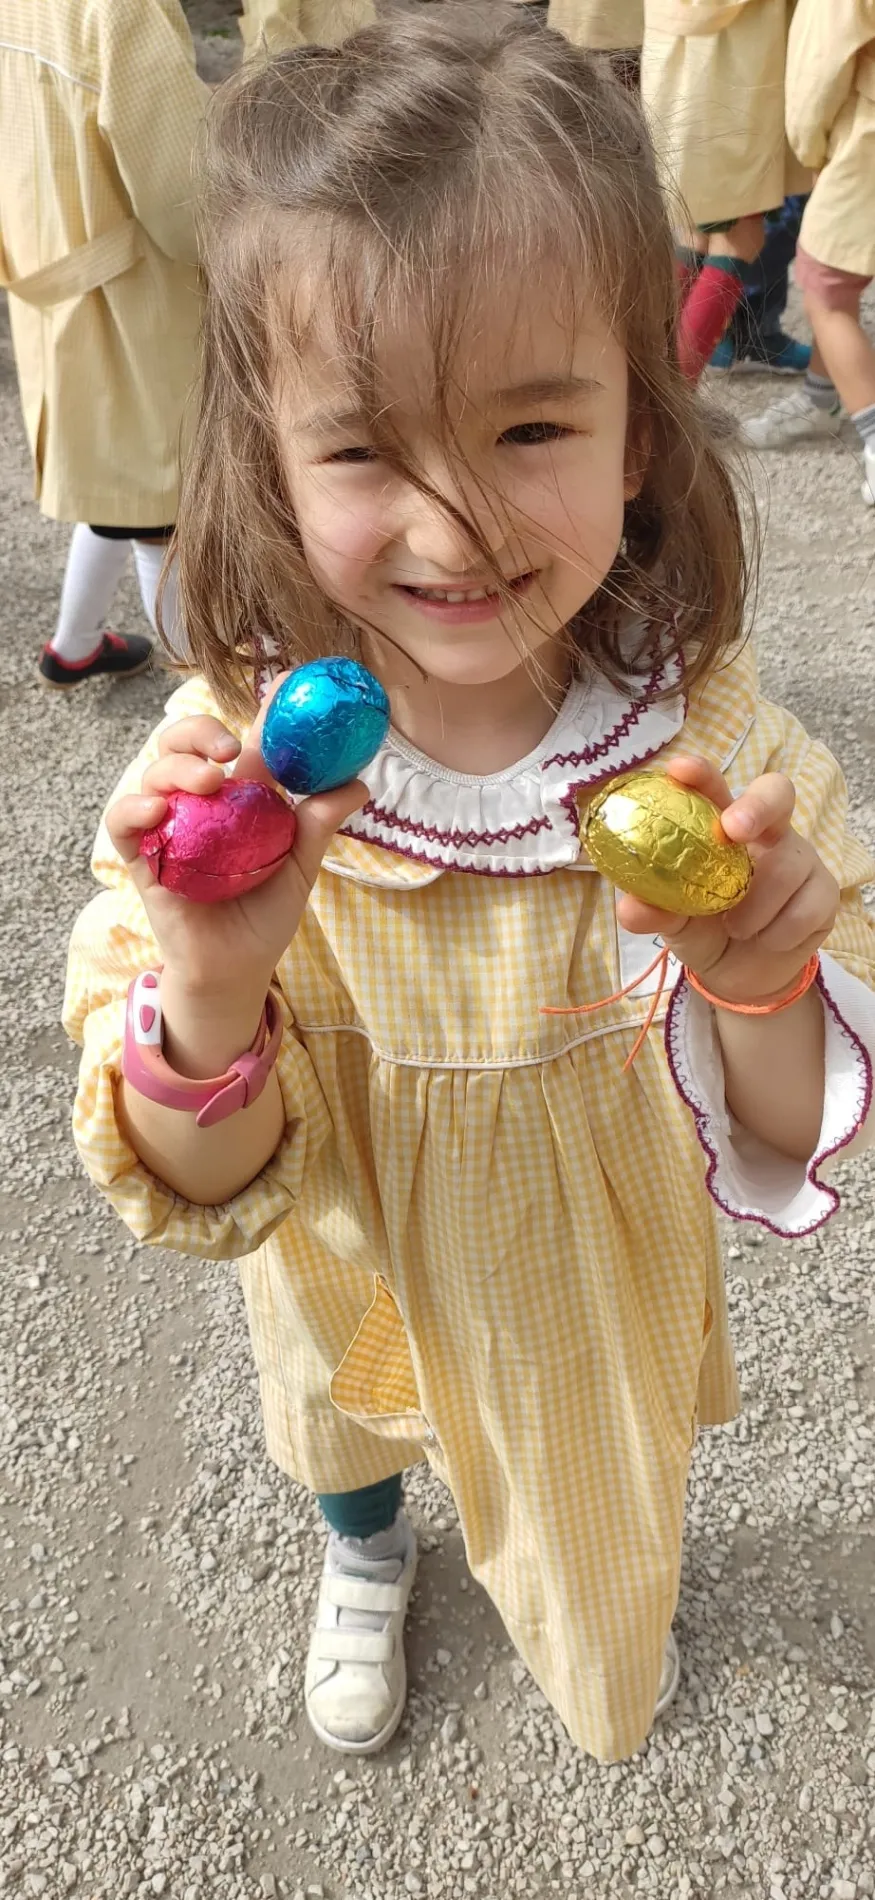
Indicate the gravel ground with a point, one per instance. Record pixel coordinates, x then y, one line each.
159 1575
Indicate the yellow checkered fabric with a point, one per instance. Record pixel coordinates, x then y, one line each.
479 1241
100 108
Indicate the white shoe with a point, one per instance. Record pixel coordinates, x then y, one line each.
355 1685
794 419
868 486
668 1681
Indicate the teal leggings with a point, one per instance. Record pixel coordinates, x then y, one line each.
364 1512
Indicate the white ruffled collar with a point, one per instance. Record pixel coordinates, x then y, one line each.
523 821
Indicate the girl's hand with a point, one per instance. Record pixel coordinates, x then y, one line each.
754 953
222 956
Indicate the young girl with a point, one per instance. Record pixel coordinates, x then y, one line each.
442 426
101 106
831 124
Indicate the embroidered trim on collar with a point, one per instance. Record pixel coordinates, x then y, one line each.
521 822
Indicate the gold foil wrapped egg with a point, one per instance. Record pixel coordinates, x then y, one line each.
662 842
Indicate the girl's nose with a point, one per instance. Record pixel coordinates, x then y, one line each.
434 536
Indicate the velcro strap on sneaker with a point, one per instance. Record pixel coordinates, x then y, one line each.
356 1593
354 1646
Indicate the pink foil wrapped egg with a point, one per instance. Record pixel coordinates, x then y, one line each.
212 849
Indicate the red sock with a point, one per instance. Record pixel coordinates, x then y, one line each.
706 315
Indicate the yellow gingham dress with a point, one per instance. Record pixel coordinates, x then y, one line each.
480 1242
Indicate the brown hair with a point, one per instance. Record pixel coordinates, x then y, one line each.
420 158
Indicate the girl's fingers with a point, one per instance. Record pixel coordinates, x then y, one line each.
203 735
318 819
702 777
778 875
250 763
760 815
127 820
807 918
763 812
182 772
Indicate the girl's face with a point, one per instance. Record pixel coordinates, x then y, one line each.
536 458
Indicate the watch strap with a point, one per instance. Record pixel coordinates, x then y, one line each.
213 1098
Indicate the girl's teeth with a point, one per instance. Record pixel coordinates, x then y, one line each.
438 593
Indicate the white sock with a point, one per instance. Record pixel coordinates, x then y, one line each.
149 560
94 570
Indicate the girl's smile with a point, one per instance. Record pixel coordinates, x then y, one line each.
462 607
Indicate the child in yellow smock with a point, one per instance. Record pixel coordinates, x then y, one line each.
101 106
712 84
831 125
466 1235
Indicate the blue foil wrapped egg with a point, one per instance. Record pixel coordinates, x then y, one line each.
324 725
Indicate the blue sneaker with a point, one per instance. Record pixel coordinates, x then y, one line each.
782 355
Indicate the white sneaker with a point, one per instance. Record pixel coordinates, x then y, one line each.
868 486
355 1685
794 419
668 1681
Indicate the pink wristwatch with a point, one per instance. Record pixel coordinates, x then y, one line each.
212 1100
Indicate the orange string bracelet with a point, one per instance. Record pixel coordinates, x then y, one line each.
800 988
660 963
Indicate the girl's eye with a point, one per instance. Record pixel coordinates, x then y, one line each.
361 453
531 434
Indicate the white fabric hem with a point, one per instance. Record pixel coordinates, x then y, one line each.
747 1179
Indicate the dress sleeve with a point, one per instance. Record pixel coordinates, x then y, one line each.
112 942
748 1179
150 111
821 61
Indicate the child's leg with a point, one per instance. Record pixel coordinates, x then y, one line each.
149 552
356 1680
94 571
717 292
842 367
81 648
366 1512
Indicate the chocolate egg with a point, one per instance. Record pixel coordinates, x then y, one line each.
212 849
324 725
664 843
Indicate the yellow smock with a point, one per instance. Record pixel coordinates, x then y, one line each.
479 1242
712 84
831 126
101 106
279 24
602 25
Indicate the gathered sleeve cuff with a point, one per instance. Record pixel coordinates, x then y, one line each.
748 1179
106 952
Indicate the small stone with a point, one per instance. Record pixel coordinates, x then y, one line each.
159 1882
443 1658
268 1886
656 1846
844 1890
836 1629
208 1562
635 1836
412 1883
806 1799
451 1729
764 1723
